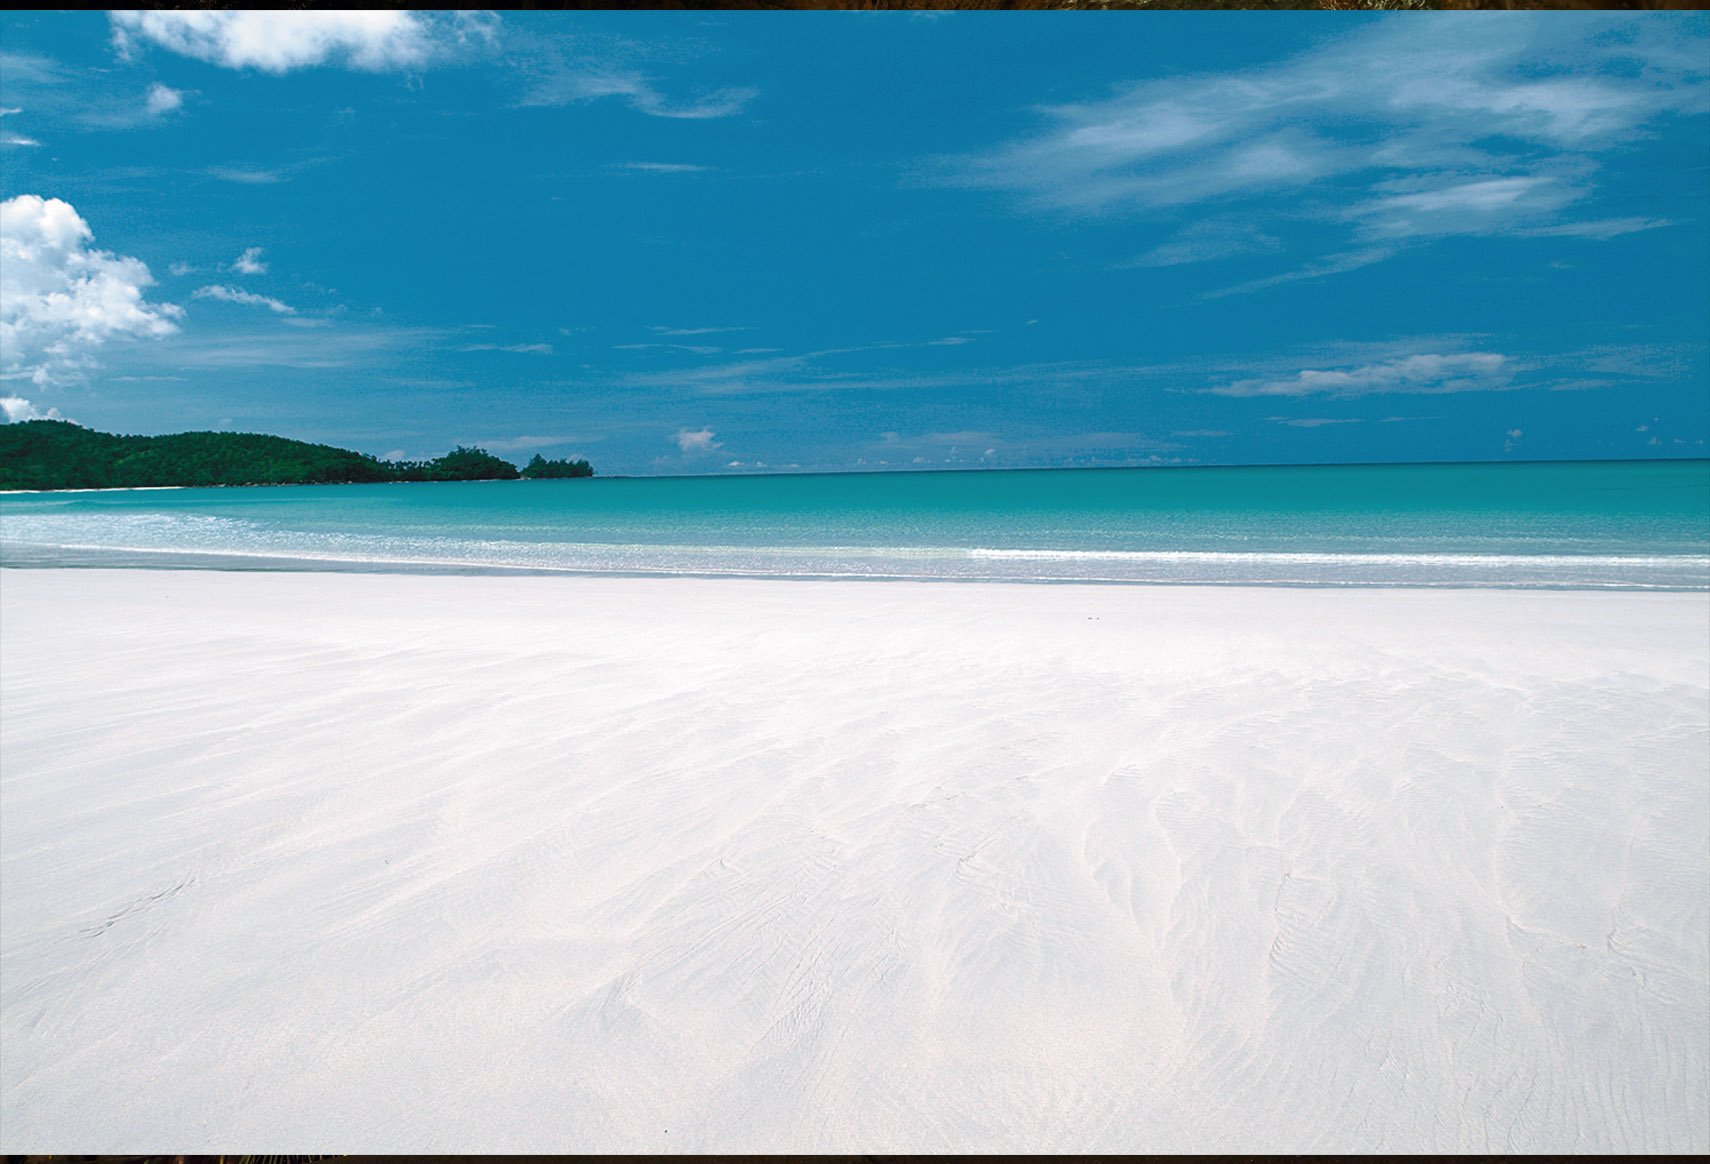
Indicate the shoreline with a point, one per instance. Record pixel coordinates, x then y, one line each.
927 472
1696 579
511 863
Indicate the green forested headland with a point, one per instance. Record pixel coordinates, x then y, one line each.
55 454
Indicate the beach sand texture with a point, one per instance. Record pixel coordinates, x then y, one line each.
364 863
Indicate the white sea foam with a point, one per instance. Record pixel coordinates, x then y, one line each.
62 536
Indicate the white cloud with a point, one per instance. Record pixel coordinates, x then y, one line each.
1429 125
162 100
13 139
1478 206
696 349
247 298
1312 421
1316 269
250 262
61 300
1426 86
662 167
245 176
16 410
295 348
697 442
278 41
574 79
1205 241
1461 372
518 349
1602 228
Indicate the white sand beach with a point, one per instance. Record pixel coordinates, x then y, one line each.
367 863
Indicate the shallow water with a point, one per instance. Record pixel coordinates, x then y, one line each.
1617 524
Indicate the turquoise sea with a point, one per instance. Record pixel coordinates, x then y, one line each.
1618 524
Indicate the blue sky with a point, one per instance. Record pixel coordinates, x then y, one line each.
703 242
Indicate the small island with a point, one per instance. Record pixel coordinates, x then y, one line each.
56 454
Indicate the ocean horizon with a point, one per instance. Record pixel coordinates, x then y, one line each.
1541 524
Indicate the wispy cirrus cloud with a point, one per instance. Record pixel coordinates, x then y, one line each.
1321 268
1313 421
7 137
563 70
291 348
514 349
660 167
1424 373
279 41
1599 229
1206 241
246 175
1405 131
238 295
696 349
641 93
1439 204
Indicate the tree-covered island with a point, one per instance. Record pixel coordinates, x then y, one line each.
56 454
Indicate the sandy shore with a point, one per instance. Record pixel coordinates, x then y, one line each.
320 862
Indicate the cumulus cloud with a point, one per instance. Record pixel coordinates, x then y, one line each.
162 100
1461 372
250 262
16 410
247 298
700 441
60 300
278 41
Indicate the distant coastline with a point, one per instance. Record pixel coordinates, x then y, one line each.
58 456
